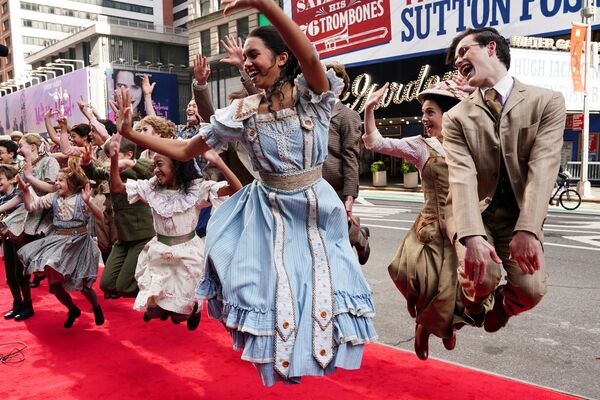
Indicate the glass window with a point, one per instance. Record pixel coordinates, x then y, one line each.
205 42
223 31
6 25
204 7
180 14
4 7
242 28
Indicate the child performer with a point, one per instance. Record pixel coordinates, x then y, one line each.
69 255
172 263
17 282
280 271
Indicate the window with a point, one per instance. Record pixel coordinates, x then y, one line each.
178 2
10 74
4 7
7 41
204 7
242 28
180 14
223 31
205 42
6 25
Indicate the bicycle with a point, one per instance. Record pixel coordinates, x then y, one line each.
568 198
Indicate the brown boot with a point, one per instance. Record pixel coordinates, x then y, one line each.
450 343
421 342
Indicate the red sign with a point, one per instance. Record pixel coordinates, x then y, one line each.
577 122
340 26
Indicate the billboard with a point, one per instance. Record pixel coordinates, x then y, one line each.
165 97
24 110
357 32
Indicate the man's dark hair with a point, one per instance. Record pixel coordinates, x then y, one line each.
110 126
10 147
483 36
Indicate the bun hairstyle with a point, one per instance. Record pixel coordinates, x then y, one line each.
274 42
76 178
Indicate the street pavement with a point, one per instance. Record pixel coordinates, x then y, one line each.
556 345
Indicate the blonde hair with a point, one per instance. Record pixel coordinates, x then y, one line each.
160 126
76 178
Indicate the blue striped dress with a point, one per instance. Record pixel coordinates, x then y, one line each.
280 271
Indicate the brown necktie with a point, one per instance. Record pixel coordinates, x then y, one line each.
493 103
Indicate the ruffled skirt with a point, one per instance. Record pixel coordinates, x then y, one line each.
241 280
74 257
167 275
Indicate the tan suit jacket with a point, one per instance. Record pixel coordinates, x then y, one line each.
530 141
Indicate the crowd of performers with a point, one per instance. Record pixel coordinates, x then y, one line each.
274 259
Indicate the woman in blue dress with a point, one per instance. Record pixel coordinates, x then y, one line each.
280 272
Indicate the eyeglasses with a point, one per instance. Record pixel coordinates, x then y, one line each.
462 51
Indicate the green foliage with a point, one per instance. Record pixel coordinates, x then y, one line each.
408 167
378 166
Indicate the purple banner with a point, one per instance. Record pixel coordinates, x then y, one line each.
24 110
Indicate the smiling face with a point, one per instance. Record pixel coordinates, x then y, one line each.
432 119
6 185
61 185
164 171
6 157
477 63
77 140
27 150
191 112
260 64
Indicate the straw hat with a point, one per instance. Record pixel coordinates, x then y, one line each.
18 134
447 88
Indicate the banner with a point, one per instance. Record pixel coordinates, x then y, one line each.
345 26
24 110
578 38
355 32
165 97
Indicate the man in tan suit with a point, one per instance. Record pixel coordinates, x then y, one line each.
503 148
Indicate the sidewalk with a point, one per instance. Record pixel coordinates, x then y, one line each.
397 186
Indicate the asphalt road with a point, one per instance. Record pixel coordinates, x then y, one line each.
556 345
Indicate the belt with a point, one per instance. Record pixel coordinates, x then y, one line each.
74 231
174 240
292 181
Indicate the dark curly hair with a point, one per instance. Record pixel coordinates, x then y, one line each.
185 172
274 42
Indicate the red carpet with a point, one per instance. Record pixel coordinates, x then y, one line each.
129 359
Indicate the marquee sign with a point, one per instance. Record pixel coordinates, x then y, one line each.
356 32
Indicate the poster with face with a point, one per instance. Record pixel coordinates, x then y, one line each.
165 97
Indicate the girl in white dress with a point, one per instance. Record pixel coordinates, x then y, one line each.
172 263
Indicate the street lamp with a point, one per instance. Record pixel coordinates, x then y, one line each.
64 60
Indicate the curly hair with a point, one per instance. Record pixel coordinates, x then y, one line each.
76 178
274 42
160 125
185 172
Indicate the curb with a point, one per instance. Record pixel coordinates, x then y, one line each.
398 188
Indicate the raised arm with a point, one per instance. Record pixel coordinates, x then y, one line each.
232 179
293 37
115 181
86 196
200 88
25 193
37 184
235 58
147 90
182 150
12 203
49 128
65 145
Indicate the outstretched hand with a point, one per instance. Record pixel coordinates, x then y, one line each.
24 186
86 155
234 49
201 69
115 146
232 5
147 88
462 83
122 108
375 97
86 193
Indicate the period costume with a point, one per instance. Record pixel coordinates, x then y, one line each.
70 251
502 160
172 262
281 274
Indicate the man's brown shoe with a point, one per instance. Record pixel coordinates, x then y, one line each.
497 317
421 342
450 343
